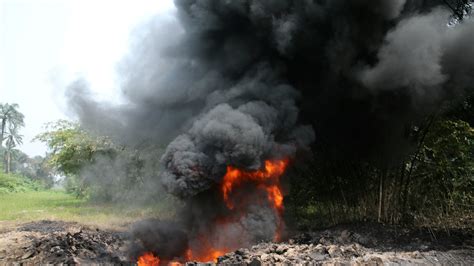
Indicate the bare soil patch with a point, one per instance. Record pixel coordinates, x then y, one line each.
56 242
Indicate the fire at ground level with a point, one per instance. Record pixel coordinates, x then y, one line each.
56 242
249 208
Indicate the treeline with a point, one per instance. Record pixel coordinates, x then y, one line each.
432 185
19 172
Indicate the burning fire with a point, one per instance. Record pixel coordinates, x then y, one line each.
269 178
148 259
266 180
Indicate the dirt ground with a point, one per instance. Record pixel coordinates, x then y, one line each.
363 244
56 242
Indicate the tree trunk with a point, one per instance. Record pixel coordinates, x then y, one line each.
379 219
414 161
2 133
9 157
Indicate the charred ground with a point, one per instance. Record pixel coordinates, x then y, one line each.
54 242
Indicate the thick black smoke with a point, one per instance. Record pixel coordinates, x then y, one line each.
240 82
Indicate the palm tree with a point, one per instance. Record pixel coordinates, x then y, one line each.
13 139
10 117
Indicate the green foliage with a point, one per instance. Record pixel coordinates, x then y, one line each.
444 176
72 147
36 168
96 168
11 183
11 120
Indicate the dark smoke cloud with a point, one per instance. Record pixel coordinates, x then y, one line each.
239 82
254 120
411 56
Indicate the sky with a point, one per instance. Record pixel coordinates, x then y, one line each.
46 44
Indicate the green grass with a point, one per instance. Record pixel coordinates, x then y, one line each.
58 205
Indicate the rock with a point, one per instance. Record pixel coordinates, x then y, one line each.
349 252
291 252
317 256
28 254
334 251
279 258
321 249
264 257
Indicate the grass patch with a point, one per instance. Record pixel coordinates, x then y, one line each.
58 205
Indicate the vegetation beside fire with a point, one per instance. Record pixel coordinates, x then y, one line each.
96 168
433 185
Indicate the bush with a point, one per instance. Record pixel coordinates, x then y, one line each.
11 183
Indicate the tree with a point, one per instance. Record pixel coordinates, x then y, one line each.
70 149
10 118
13 139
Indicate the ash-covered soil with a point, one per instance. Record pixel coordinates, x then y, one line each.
364 244
56 242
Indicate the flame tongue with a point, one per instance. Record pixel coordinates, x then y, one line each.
267 178
148 259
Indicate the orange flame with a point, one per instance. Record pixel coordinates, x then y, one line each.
268 180
272 172
148 259
275 196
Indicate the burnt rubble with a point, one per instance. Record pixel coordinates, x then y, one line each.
351 254
362 244
51 242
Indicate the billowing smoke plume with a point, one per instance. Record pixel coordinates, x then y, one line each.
240 82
